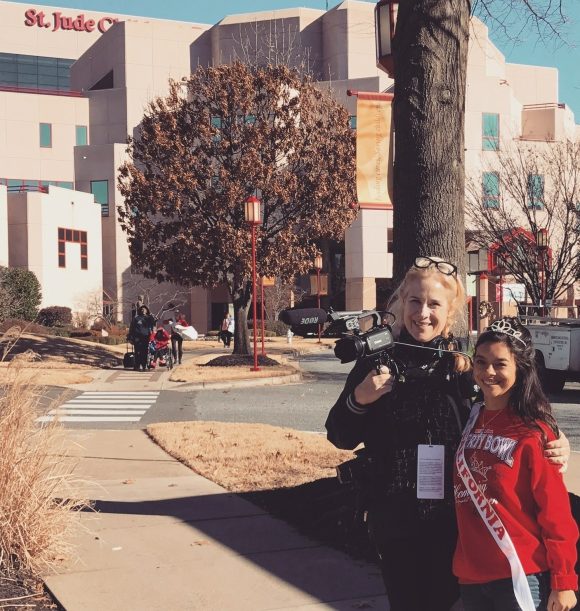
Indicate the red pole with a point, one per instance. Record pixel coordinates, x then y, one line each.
318 300
543 309
262 304
500 306
255 367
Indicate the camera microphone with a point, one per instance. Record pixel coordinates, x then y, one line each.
303 316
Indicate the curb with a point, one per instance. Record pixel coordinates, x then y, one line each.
245 383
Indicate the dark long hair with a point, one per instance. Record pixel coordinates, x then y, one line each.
527 398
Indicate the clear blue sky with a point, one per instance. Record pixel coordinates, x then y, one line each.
565 57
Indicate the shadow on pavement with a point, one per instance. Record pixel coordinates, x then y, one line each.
66 351
321 510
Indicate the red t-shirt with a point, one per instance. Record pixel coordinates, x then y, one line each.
506 458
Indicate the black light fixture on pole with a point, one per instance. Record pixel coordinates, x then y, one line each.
252 212
385 21
478 266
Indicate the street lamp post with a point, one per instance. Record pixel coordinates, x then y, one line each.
478 266
385 20
318 266
542 244
262 313
253 218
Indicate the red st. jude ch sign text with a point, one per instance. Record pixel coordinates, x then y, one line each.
57 21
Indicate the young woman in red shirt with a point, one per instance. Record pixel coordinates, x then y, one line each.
516 547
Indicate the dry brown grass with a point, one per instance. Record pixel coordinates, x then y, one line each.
36 486
249 457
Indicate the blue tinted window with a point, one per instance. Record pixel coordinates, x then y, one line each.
535 191
81 135
100 189
46 135
490 184
490 132
32 72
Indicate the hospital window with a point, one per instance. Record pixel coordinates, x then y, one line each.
45 132
100 189
77 237
490 132
490 188
535 191
81 133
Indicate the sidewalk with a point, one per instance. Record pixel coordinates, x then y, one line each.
165 538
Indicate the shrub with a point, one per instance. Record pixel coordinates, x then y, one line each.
55 316
20 294
36 497
80 333
277 326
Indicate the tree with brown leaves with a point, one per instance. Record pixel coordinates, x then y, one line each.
525 190
220 136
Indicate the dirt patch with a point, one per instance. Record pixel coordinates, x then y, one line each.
246 360
45 376
290 474
196 371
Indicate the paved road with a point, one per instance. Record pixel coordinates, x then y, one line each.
302 406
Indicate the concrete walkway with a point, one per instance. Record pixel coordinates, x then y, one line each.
165 538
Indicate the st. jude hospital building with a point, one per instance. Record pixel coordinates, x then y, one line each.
74 84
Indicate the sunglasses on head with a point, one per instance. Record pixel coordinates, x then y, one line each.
442 266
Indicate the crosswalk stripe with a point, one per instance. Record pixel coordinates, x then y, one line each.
105 406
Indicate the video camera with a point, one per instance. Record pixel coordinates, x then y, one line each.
363 335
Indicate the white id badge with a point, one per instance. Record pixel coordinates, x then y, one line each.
430 469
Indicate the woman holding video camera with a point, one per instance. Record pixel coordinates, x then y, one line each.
411 424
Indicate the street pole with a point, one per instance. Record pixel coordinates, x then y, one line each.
262 312
543 283
254 308
318 301
500 305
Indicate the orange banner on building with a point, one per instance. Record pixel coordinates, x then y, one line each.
374 151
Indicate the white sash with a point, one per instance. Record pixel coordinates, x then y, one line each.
492 521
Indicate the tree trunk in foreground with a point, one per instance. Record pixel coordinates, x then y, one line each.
241 299
430 52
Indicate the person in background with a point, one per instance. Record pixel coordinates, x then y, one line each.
227 330
176 338
140 331
517 537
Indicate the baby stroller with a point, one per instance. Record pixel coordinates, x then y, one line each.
159 350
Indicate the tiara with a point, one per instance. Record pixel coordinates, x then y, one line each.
505 326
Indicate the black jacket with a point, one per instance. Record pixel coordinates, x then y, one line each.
141 328
428 405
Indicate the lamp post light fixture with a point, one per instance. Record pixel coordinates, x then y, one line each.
318 267
478 265
542 245
385 20
252 212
